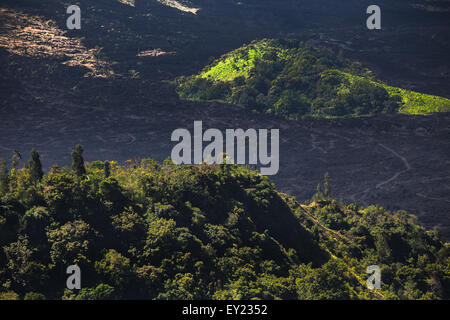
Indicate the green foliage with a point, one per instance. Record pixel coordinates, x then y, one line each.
293 79
114 266
326 185
419 103
107 169
407 254
161 231
78 161
329 282
69 243
16 157
9 295
34 296
35 166
238 64
4 176
100 292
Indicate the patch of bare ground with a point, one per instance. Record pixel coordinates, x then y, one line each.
32 36
397 161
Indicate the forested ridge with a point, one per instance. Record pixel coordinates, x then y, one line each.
146 230
294 79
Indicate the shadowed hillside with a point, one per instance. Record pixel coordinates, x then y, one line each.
107 86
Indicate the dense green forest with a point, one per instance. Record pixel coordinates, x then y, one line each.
146 230
295 79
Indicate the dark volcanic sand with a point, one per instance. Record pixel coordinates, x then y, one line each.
398 162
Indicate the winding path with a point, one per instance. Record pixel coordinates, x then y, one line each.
397 174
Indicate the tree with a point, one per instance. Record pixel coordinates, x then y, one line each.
10 295
16 157
4 176
70 242
100 292
107 169
35 166
182 287
326 185
292 104
319 189
78 161
115 267
34 296
24 270
330 281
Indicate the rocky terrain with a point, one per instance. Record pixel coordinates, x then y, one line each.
398 162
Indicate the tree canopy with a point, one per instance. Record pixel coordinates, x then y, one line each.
160 231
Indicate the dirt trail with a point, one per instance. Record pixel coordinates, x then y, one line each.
397 174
